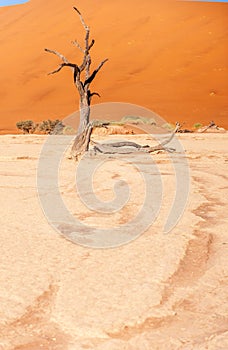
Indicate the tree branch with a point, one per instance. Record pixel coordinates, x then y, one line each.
81 18
78 45
56 70
94 94
92 76
91 44
71 65
85 26
86 59
172 135
91 94
212 123
85 62
63 58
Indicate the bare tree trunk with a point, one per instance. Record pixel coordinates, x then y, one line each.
82 139
84 116
81 142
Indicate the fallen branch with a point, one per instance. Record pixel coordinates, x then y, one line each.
211 125
126 147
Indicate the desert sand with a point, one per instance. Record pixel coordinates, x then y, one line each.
168 56
160 291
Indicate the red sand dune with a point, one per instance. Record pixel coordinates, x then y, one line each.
169 56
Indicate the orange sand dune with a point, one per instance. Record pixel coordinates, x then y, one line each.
169 56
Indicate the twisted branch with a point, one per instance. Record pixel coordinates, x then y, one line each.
92 76
74 66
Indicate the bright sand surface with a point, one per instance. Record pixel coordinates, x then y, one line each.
169 56
157 292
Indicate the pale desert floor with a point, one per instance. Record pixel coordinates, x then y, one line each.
157 292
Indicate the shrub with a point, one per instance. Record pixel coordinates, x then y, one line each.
197 125
132 119
69 130
53 127
99 123
168 126
27 126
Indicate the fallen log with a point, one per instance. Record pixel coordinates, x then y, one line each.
126 147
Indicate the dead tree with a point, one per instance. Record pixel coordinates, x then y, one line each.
82 84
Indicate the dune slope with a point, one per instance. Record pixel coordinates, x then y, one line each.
169 56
